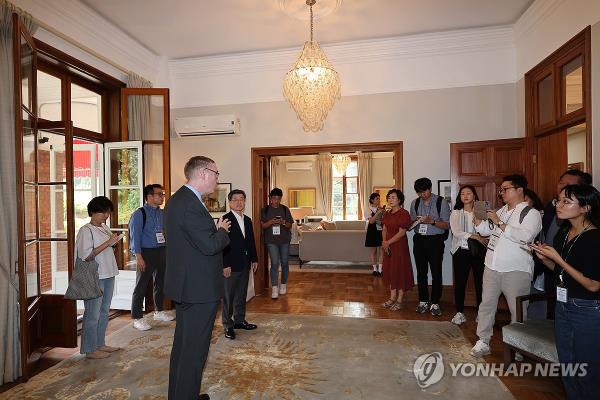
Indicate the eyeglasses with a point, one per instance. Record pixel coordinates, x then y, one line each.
504 189
562 202
212 170
159 194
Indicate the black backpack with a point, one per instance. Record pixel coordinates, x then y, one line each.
438 204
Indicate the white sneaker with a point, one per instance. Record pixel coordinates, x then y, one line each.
141 325
459 319
163 316
283 289
480 349
274 292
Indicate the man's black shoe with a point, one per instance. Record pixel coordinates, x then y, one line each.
204 396
229 333
245 325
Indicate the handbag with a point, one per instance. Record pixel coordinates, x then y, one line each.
85 282
476 248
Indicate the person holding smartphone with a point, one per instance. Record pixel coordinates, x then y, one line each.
276 221
573 258
94 241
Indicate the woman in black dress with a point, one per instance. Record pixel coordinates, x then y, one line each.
374 214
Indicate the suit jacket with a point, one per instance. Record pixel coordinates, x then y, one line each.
194 271
241 250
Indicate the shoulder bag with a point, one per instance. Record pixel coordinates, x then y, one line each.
85 283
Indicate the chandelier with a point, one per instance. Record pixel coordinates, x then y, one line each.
340 162
312 85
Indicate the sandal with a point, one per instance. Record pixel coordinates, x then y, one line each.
397 306
388 303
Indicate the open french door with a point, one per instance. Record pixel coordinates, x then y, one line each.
44 210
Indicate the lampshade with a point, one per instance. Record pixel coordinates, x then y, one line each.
312 85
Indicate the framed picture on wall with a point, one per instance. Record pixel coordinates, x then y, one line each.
216 202
302 197
445 190
382 191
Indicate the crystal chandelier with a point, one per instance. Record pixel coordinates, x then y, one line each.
340 162
312 85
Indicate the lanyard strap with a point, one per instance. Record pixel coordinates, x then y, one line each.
562 251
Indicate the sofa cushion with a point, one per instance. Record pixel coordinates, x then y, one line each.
328 226
334 246
533 336
351 225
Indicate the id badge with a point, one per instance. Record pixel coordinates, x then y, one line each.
276 229
494 237
422 229
464 244
561 294
160 237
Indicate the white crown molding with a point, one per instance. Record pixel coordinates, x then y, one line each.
76 20
376 50
534 16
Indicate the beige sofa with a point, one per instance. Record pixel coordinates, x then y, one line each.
346 242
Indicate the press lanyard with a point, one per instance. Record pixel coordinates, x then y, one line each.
562 253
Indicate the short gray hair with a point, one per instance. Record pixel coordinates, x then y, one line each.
195 163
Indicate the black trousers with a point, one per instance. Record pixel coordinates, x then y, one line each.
462 263
429 254
156 264
234 301
550 289
191 342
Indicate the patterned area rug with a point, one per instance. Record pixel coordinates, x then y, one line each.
287 357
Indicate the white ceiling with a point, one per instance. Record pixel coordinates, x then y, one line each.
190 28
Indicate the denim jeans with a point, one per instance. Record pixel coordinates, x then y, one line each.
577 331
95 318
279 253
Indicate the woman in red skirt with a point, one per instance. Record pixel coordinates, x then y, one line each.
397 268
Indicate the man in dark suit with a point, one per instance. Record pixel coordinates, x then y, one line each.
238 258
194 275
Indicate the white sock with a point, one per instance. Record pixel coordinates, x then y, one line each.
375 267
380 267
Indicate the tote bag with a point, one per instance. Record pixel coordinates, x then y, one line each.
85 283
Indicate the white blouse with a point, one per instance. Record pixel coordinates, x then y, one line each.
461 224
90 237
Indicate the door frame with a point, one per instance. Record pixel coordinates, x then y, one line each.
260 157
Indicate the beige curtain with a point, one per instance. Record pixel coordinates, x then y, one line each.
10 350
138 108
365 178
274 167
324 182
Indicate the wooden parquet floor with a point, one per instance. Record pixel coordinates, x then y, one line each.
360 296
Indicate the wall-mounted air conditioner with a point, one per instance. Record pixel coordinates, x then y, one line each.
207 125
298 166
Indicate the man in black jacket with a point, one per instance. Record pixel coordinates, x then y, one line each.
238 258
194 275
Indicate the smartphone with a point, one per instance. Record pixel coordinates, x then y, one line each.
480 209
121 236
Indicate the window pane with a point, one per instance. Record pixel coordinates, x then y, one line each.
30 212
124 256
53 211
153 163
26 75
126 201
352 169
28 155
351 185
154 127
572 80
86 108
51 158
124 167
54 259
87 176
338 213
577 147
545 100
49 97
352 206
31 270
